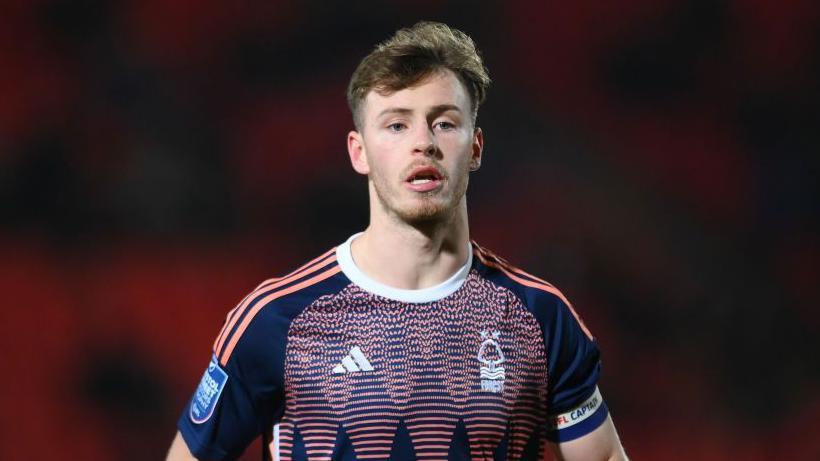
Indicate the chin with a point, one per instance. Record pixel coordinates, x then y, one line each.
427 213
432 208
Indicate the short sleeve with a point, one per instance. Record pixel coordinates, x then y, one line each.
574 404
237 400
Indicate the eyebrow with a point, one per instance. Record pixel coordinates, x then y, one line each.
434 110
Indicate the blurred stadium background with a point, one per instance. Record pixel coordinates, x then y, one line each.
650 157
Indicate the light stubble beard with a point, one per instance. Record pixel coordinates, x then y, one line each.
433 208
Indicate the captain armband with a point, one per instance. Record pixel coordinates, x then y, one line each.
579 421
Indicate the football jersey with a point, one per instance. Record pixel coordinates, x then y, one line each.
328 364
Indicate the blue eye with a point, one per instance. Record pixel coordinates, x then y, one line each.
396 127
446 126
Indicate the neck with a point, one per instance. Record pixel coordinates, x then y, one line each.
409 256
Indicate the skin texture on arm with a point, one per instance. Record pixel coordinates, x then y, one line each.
602 444
179 450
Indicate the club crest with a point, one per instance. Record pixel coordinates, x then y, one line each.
491 356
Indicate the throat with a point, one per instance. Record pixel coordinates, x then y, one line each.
401 264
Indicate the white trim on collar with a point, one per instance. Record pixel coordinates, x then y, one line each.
424 295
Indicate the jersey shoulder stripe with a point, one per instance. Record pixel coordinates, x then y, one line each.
236 312
253 303
489 259
318 261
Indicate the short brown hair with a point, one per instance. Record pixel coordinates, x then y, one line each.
411 55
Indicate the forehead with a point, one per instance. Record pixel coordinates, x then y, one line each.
440 88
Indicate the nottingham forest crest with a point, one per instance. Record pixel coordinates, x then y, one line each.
491 356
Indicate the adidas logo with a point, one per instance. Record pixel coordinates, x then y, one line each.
354 362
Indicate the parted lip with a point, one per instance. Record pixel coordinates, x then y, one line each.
424 172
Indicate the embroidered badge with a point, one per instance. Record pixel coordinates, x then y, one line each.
490 354
208 392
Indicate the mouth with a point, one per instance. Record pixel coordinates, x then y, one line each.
423 175
424 179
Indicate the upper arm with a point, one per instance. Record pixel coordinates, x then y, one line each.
239 393
574 403
580 427
179 450
602 444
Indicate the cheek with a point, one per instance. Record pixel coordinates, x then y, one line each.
461 147
460 139
385 152
380 163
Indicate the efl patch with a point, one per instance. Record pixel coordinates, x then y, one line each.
208 392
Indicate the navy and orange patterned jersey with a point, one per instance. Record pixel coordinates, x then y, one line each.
329 364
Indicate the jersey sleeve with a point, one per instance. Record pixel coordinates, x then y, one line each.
574 404
238 397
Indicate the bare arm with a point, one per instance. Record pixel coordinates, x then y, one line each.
602 444
179 450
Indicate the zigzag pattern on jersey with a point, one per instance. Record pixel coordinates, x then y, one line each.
238 319
425 375
489 259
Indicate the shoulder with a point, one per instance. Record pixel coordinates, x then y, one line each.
546 302
267 311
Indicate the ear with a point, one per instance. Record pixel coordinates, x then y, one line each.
356 151
478 149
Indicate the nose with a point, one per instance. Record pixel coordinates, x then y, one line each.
425 143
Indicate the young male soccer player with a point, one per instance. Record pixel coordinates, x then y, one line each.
407 341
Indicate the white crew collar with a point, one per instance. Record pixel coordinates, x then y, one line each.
424 295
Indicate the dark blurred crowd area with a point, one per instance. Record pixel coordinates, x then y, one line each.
652 158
